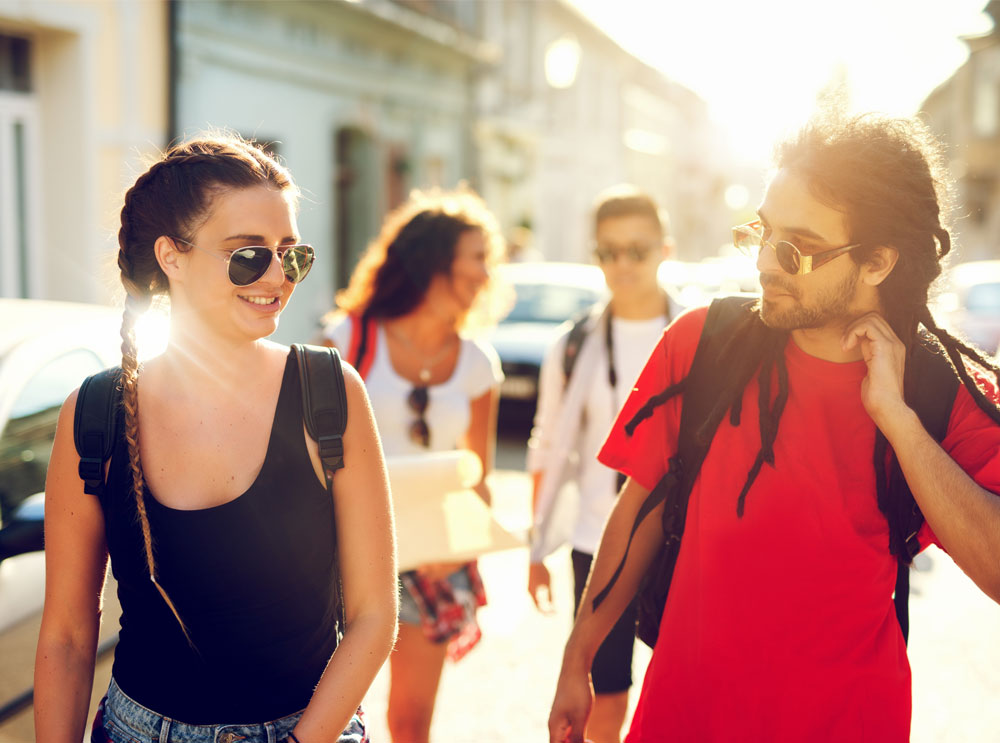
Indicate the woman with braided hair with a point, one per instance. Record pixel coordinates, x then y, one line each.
779 623
215 510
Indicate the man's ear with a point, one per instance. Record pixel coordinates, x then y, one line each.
667 250
168 256
879 265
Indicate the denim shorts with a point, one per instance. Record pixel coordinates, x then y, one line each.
121 719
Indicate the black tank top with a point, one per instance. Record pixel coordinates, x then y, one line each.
253 580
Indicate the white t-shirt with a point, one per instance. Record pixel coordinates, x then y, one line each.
476 371
632 341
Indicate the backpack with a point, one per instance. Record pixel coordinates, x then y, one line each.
95 425
361 354
578 334
936 387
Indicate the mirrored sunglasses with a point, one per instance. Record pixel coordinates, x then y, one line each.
249 264
749 238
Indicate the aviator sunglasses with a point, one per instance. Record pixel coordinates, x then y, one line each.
749 238
249 264
636 253
420 432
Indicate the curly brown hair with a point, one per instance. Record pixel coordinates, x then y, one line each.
416 243
885 175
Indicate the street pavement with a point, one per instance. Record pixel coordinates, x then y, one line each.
501 691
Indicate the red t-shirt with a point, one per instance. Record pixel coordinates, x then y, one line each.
780 625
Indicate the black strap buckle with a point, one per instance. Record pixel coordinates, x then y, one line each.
91 468
91 471
911 546
331 451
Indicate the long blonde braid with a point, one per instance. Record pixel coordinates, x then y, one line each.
137 301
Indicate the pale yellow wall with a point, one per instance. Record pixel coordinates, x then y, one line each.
101 82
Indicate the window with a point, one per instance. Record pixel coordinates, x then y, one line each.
15 64
26 439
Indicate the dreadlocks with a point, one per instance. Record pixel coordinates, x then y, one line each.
885 174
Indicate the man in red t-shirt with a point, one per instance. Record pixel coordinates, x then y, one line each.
779 624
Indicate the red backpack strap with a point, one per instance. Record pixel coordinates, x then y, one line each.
362 351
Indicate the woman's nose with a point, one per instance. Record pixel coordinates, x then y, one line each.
275 271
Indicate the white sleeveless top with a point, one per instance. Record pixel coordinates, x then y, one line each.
476 371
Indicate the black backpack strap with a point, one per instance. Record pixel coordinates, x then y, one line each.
95 425
701 387
577 335
324 411
935 388
324 402
701 392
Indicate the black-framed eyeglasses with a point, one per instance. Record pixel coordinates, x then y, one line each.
420 432
636 252
249 264
749 238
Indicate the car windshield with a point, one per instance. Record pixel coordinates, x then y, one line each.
983 298
550 303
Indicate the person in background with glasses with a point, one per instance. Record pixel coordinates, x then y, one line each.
226 543
575 412
779 624
423 281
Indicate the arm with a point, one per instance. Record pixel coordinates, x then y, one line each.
482 435
963 515
539 578
367 551
571 706
550 392
75 563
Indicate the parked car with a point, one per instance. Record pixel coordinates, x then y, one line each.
969 302
698 283
546 296
46 350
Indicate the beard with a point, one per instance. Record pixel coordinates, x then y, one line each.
831 305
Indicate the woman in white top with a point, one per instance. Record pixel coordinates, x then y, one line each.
398 321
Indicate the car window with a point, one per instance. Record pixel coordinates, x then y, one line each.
983 298
552 303
26 440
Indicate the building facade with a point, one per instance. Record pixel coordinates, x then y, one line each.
965 113
83 98
567 112
363 101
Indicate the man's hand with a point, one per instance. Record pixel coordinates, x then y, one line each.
885 355
571 706
540 587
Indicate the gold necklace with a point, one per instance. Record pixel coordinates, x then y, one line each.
426 364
